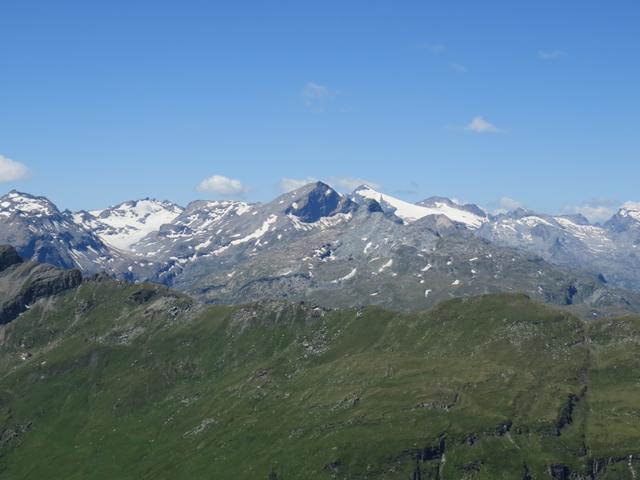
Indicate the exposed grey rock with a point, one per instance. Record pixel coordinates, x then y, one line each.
40 232
23 283
609 250
8 257
318 246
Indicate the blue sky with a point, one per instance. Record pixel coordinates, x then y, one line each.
537 102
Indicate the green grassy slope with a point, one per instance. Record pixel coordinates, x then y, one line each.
118 381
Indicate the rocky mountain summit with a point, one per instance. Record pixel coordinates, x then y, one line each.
42 233
23 283
315 244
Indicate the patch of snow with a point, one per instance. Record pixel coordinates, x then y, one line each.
124 225
385 266
255 235
410 212
348 276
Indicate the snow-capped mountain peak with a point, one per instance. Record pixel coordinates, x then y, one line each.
24 204
627 219
410 212
125 224
633 213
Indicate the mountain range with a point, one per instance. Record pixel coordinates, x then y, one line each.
316 245
108 379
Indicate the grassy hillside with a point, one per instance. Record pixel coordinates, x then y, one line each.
136 382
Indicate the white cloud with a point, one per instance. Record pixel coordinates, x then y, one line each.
631 205
506 204
10 170
221 185
290 184
435 48
480 125
350 183
551 54
596 210
316 97
593 213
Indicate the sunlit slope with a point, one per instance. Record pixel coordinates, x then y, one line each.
118 381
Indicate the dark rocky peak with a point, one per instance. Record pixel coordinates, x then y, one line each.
314 201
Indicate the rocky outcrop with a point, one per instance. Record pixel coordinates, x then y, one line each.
318 200
8 257
23 283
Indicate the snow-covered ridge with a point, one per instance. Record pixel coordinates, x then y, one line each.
631 213
125 224
316 235
410 212
25 204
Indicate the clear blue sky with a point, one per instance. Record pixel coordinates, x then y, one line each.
107 101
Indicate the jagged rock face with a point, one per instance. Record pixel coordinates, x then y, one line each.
219 236
317 245
40 232
318 200
22 283
609 250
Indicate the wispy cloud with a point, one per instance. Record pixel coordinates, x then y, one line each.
595 210
289 184
593 214
506 204
351 183
317 97
547 55
481 125
221 185
435 48
458 67
631 205
10 170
